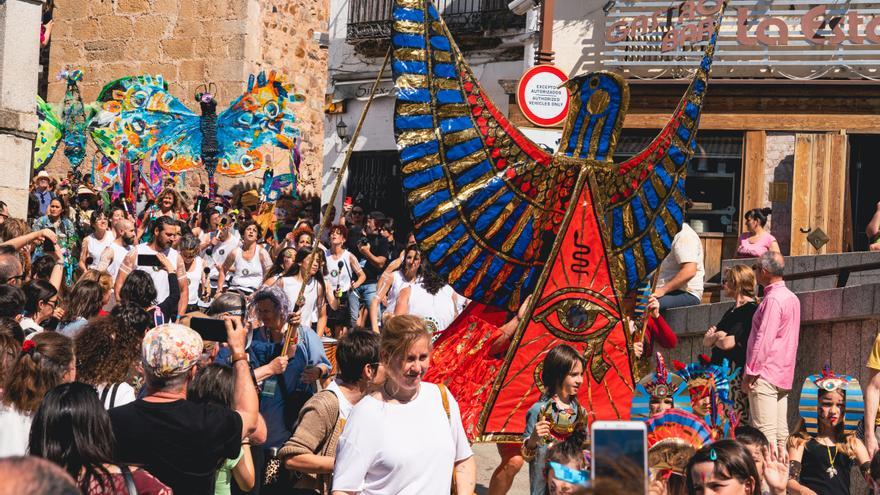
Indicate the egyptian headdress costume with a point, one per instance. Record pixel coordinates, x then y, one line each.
710 381
673 438
501 218
659 386
848 386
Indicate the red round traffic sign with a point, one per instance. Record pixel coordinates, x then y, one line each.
540 97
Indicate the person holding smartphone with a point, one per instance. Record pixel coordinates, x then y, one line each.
157 258
557 414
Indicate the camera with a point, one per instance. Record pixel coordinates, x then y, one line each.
363 241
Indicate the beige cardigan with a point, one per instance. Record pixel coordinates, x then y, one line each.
317 432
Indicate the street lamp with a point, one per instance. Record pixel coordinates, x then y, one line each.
342 130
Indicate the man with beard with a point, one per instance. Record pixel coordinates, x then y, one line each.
114 254
162 263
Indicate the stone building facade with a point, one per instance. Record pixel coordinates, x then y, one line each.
191 42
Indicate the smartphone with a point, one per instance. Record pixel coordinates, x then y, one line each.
148 260
620 451
212 329
348 201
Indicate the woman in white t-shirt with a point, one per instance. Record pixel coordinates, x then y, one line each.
408 436
432 299
247 263
400 274
44 361
316 296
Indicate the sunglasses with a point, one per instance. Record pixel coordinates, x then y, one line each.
15 278
54 303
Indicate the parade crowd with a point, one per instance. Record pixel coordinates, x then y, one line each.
189 345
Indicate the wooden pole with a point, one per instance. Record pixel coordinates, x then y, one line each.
545 47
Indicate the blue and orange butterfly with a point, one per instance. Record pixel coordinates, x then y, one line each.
143 119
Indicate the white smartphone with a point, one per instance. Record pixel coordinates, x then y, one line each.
620 451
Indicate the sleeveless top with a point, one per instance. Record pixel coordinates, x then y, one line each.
291 289
159 276
815 470
194 279
119 254
219 253
248 275
398 283
438 310
340 273
96 247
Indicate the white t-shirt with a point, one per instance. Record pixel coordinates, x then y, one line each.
124 394
405 449
439 309
345 406
194 279
686 248
96 247
119 254
15 428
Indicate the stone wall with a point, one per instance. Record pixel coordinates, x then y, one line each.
191 42
779 167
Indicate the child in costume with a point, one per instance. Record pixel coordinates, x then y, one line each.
709 388
658 392
673 438
825 449
557 415
567 470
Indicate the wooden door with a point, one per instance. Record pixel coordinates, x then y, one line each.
818 191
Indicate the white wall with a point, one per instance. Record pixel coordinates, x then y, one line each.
578 36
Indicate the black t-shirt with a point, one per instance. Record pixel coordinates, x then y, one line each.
736 322
815 469
181 443
379 247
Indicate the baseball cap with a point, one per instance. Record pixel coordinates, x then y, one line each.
171 350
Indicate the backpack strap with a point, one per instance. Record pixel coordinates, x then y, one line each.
104 393
113 395
444 396
129 480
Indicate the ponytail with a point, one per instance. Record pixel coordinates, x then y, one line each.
39 367
759 214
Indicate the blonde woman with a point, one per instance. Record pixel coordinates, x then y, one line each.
729 337
406 437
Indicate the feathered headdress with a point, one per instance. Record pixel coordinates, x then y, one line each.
708 380
659 385
673 437
854 402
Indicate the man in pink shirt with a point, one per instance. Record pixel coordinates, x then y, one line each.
772 350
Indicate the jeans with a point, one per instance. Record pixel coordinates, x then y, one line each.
365 293
769 407
677 299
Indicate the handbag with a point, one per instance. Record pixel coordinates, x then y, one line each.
130 487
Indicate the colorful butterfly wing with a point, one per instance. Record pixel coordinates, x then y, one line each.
263 115
49 133
146 119
485 200
645 195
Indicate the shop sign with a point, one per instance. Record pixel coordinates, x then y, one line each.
541 97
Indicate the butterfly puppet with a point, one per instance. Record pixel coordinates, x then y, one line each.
144 120
501 218
70 128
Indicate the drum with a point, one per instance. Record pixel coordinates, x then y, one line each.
330 350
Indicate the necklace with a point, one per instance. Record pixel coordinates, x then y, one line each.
385 388
832 471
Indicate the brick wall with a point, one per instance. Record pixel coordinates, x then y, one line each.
190 42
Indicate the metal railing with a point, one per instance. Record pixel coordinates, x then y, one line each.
371 19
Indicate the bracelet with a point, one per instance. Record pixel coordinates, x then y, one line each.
325 372
527 453
239 356
794 470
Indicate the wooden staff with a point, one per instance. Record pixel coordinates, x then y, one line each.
325 223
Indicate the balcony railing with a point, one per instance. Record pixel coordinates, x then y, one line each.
370 20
